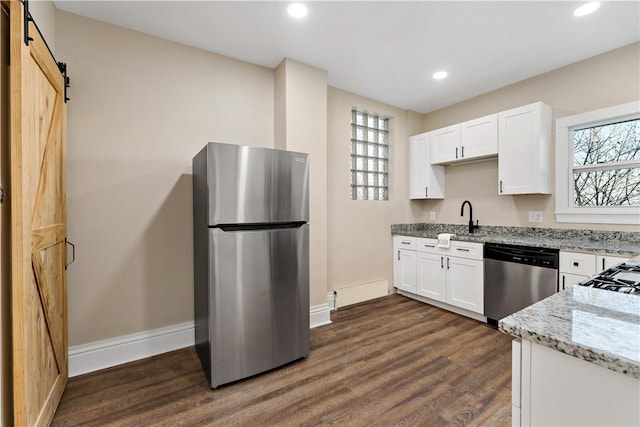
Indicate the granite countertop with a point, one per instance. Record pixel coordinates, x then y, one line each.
589 241
596 325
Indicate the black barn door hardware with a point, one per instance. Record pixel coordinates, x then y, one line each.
61 65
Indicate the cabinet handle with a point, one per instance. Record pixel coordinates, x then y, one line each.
429 246
441 262
398 254
456 152
405 243
426 191
577 264
501 186
447 263
463 249
462 152
563 282
603 263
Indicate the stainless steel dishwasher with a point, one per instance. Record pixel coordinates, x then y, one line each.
516 277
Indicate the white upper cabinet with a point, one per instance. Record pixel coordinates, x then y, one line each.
471 140
445 144
524 150
426 181
479 138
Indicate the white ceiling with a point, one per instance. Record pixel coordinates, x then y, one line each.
389 50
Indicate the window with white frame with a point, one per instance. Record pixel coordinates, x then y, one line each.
598 166
369 156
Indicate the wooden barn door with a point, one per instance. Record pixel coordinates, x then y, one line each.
38 217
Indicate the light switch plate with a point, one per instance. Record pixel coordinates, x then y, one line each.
432 216
535 216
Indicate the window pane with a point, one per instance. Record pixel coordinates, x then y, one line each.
372 135
360 134
382 165
382 180
359 178
615 142
360 118
360 149
382 194
384 123
360 193
372 121
382 137
612 187
371 150
371 193
383 152
360 163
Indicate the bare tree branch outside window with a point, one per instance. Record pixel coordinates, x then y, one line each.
606 165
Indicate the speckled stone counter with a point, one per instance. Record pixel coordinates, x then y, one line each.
596 325
589 241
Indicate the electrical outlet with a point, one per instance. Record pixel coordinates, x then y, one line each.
432 216
535 216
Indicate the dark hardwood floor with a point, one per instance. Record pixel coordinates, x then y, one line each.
392 361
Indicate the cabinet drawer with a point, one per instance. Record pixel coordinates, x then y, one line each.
468 250
568 280
428 245
405 242
577 263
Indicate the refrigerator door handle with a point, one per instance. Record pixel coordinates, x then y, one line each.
259 226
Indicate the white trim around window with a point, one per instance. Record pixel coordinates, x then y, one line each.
565 210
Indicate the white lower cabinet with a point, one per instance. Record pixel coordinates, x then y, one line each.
605 261
432 277
576 267
465 287
404 263
453 275
569 280
551 388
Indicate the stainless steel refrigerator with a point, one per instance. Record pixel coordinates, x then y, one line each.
251 259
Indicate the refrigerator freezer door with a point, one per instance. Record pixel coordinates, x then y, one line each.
256 185
259 299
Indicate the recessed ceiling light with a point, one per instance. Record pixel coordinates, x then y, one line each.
297 10
439 75
587 8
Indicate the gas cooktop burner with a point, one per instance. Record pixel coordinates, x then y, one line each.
623 277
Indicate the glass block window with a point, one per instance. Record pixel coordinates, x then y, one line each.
369 156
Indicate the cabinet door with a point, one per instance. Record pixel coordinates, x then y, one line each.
445 144
524 158
465 283
405 270
569 280
426 181
419 154
479 137
431 276
605 261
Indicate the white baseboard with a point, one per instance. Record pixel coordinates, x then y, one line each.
127 348
104 354
360 293
331 300
320 315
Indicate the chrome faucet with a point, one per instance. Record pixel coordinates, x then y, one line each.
471 225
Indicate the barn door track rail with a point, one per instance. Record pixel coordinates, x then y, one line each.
62 66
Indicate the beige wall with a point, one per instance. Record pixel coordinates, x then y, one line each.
44 14
301 125
140 109
359 238
608 79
